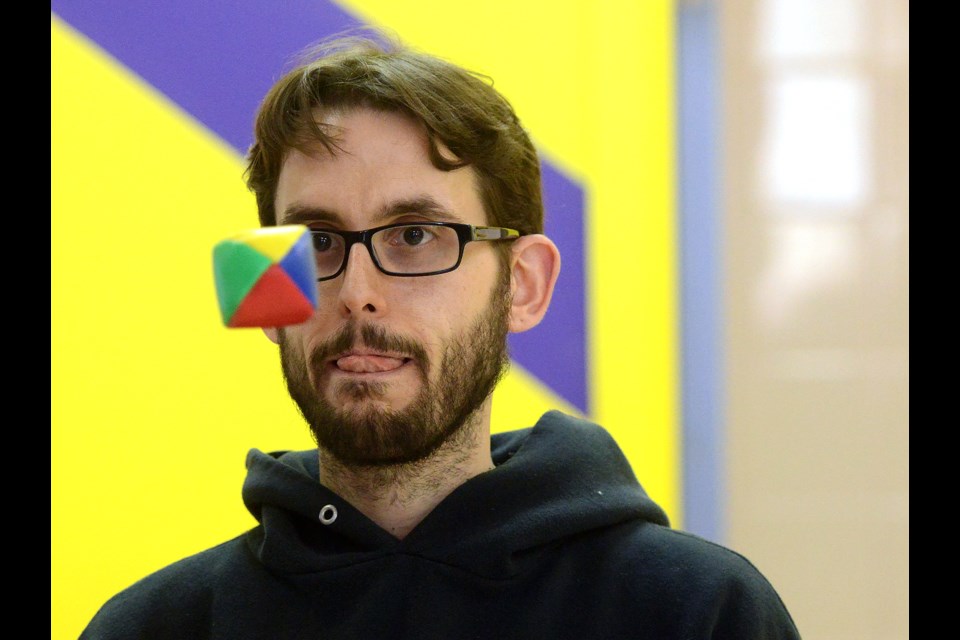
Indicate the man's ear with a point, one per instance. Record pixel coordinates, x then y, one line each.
272 333
534 267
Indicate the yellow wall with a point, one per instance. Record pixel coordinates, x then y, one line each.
155 404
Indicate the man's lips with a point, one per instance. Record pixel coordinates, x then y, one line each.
368 362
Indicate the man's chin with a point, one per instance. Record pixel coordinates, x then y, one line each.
360 412
359 399
370 434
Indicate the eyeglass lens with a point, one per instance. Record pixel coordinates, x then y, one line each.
408 249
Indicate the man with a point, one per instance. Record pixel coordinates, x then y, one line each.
422 193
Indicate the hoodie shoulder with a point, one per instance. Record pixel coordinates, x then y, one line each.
172 602
688 586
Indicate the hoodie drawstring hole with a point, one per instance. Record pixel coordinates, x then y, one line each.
328 514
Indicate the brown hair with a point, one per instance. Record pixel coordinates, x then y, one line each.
459 108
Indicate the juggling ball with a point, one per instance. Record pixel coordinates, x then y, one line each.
266 277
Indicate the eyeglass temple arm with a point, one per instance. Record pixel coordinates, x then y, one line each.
494 233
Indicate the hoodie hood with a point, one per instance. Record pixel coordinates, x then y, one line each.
555 480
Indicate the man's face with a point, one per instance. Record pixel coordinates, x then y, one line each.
389 368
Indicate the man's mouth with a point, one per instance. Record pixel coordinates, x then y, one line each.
368 362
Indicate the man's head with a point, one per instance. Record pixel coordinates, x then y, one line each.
390 368
458 109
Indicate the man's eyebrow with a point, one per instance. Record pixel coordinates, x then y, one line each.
423 205
302 214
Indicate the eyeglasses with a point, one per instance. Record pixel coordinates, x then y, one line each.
405 249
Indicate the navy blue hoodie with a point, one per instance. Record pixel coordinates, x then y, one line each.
558 541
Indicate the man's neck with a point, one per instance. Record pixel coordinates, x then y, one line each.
399 497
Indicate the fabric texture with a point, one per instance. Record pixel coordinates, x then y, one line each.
559 540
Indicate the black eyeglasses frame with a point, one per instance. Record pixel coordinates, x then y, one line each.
465 233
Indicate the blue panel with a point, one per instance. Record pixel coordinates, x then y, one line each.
700 228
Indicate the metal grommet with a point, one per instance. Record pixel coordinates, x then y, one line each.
328 514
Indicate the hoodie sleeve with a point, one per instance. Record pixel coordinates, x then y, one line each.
752 610
155 608
728 598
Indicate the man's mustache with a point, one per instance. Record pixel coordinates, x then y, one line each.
351 336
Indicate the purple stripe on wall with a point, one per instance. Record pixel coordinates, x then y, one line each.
214 58
555 350
217 59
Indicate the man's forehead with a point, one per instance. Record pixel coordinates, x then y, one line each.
340 121
369 186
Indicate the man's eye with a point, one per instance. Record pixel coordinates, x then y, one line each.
322 242
414 235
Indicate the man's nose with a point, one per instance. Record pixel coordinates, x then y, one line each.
362 288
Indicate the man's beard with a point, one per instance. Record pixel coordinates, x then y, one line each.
471 366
